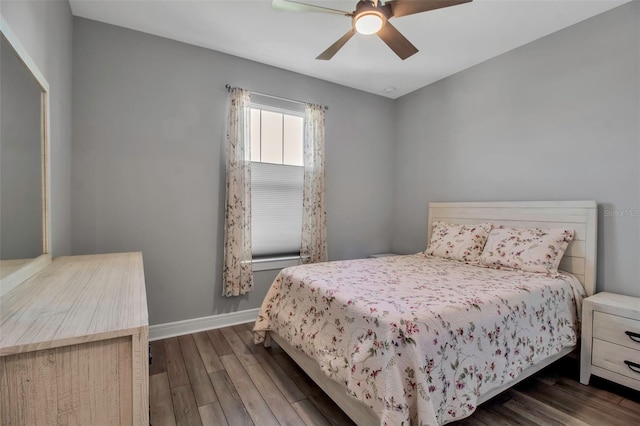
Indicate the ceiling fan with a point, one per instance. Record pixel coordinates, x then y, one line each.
372 17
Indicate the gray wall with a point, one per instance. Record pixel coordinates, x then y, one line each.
45 30
148 168
557 119
20 159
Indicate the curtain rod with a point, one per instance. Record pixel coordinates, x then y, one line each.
229 87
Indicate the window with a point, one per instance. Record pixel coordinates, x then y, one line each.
277 174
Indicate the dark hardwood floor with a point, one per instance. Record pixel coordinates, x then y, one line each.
220 377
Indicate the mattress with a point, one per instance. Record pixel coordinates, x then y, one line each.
419 339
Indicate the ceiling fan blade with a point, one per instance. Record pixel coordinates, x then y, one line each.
396 41
333 49
297 6
409 7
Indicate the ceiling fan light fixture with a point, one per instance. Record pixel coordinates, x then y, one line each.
368 23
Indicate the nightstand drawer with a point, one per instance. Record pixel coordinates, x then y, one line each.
612 357
615 329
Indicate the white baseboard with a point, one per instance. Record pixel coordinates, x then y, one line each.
180 328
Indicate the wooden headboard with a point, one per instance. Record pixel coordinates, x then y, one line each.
581 216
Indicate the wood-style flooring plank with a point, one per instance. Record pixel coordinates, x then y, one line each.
157 365
160 401
239 348
322 402
631 405
487 416
309 413
200 383
588 394
595 400
548 376
284 383
244 326
575 407
572 386
250 396
232 406
212 414
258 351
470 421
240 328
247 337
539 412
219 343
184 406
208 354
279 405
499 415
176 370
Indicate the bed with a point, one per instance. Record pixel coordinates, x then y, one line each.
424 340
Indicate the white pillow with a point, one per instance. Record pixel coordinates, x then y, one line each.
526 249
458 242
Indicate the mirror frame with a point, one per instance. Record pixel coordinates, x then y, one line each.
26 270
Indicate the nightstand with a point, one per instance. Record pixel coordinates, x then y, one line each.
611 339
375 256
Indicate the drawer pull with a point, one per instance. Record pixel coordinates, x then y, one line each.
633 336
633 366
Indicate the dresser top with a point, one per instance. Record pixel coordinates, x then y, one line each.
75 299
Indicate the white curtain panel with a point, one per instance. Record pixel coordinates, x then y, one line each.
237 274
313 248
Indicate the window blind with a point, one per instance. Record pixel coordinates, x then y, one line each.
276 209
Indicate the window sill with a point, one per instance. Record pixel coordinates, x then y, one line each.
274 263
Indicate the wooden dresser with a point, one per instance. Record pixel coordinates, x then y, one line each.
73 344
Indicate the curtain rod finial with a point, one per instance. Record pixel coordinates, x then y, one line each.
228 87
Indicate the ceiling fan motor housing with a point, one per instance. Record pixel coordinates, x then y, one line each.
366 7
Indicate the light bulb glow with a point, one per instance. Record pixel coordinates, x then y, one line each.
369 23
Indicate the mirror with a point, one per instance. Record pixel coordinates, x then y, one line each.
24 191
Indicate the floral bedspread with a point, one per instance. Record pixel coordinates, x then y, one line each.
416 338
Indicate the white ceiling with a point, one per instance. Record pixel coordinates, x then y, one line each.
450 39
